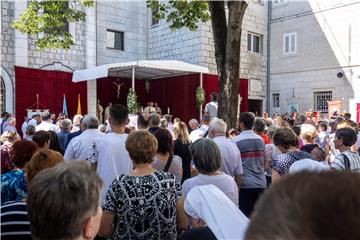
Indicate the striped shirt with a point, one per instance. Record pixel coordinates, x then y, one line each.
252 150
354 160
14 221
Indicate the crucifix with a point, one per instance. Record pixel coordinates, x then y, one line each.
118 85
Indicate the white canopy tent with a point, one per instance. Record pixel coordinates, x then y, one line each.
142 69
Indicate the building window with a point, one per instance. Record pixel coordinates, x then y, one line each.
278 2
115 39
276 100
290 43
254 43
154 20
2 96
321 101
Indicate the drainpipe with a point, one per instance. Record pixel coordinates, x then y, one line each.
268 106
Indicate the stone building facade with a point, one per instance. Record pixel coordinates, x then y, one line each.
315 49
141 39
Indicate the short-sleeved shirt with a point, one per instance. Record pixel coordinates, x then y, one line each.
230 156
175 167
14 221
144 206
354 160
211 108
13 186
223 181
282 162
252 149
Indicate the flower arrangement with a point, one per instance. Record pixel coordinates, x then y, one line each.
132 103
200 96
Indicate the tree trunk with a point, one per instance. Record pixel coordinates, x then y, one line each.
227 39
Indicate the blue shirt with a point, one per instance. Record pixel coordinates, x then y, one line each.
13 186
63 137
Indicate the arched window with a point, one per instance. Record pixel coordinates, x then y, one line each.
2 96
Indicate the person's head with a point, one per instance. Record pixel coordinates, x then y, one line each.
206 119
156 104
217 128
154 120
165 142
308 133
142 146
322 126
90 122
168 118
44 158
270 132
206 155
246 121
102 128
300 119
265 115
142 122
66 125
63 202
181 132
42 139
232 133
319 153
9 136
30 130
77 119
52 116
119 115
297 130
54 142
46 117
110 104
259 125
22 151
193 123
214 96
177 120
302 205
284 138
5 114
163 123
37 117
151 104
11 121
345 137
347 116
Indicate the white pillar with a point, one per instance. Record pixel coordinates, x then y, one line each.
201 85
91 57
21 39
133 79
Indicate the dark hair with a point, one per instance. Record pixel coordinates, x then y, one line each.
119 114
61 199
214 96
46 116
285 137
259 125
297 130
41 137
348 136
323 126
248 119
164 139
302 205
347 116
206 155
22 151
54 142
154 120
30 130
142 122
308 147
206 118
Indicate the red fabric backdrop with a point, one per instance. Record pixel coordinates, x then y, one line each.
51 87
177 93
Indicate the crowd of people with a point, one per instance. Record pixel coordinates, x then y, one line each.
270 178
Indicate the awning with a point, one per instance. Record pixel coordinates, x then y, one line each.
143 69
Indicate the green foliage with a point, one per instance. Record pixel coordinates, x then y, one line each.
181 13
51 18
132 103
200 96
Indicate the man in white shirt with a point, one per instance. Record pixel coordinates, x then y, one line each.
24 126
46 123
230 155
201 131
109 151
81 147
212 107
34 120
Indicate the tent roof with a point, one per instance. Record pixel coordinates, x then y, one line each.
144 69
